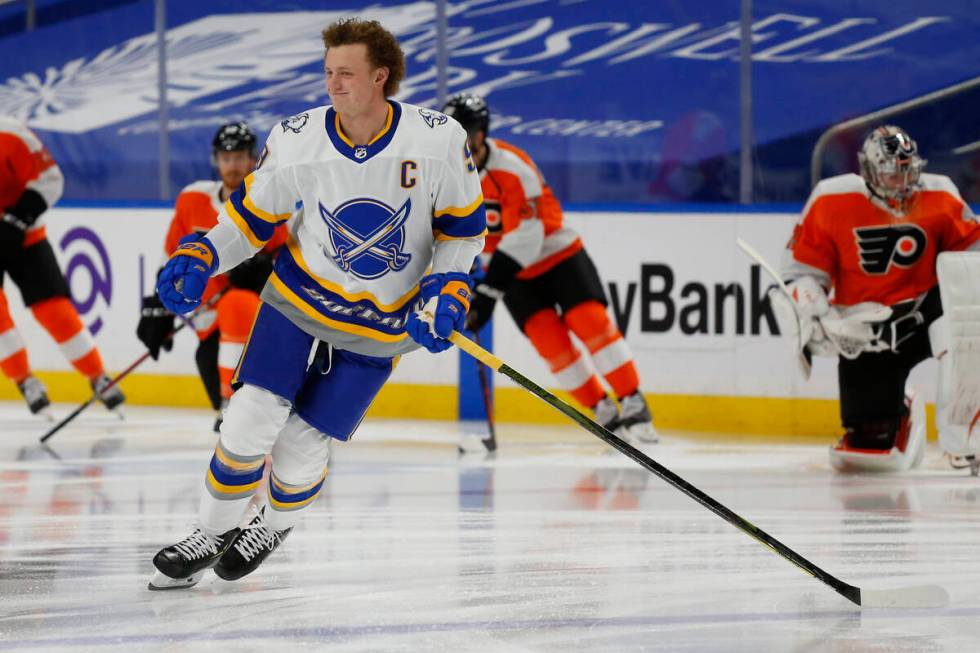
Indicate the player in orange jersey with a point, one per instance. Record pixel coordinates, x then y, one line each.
866 248
542 272
30 183
223 329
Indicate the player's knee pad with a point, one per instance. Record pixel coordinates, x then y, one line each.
549 336
590 322
252 421
301 452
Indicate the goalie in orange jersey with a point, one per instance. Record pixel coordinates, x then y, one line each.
541 271
880 276
224 328
30 183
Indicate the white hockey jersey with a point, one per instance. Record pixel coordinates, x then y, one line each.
365 222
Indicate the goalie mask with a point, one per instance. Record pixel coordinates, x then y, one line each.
890 164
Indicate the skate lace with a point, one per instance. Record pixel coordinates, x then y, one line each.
197 545
255 537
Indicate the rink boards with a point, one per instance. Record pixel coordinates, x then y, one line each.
709 352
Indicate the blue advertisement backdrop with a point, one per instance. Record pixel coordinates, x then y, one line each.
627 102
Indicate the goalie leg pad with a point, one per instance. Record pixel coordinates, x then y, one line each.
957 345
905 443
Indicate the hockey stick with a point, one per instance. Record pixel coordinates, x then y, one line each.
804 360
185 322
924 596
491 441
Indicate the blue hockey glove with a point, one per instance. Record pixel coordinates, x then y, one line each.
446 297
183 279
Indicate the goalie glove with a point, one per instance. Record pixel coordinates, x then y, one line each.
825 330
854 330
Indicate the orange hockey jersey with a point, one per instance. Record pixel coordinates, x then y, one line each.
524 219
196 211
25 163
868 253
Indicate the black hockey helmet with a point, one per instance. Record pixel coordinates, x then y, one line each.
470 111
233 137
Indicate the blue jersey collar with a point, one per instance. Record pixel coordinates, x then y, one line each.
362 153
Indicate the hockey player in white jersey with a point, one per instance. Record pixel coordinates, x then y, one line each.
385 215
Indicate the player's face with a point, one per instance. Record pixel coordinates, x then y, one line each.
233 167
352 82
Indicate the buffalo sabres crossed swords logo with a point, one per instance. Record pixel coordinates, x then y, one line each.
367 236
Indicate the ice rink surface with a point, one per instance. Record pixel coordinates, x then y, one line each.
556 544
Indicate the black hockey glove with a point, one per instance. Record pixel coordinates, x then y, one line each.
156 326
252 273
17 219
500 274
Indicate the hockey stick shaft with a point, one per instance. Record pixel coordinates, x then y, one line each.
487 399
185 322
850 592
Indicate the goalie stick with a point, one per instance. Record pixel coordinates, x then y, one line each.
923 596
804 359
185 321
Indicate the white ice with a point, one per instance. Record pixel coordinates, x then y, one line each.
554 544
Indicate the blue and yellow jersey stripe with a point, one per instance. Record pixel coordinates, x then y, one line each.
358 314
256 224
468 221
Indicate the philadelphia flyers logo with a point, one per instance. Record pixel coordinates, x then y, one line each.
879 247
495 220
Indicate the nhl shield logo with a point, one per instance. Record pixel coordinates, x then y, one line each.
360 152
367 236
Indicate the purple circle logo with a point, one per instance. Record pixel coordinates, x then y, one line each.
88 272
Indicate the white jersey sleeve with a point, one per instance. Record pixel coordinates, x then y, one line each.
266 199
458 215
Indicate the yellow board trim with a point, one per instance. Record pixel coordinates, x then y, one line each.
334 288
773 418
310 312
459 211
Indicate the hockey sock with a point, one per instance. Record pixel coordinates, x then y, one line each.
230 483
13 355
550 337
610 353
236 314
60 319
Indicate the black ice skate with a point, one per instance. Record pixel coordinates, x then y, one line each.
253 545
635 420
607 414
183 564
35 394
111 397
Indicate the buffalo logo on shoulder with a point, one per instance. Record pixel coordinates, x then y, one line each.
880 247
296 123
433 118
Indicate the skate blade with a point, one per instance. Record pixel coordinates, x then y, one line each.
161 581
